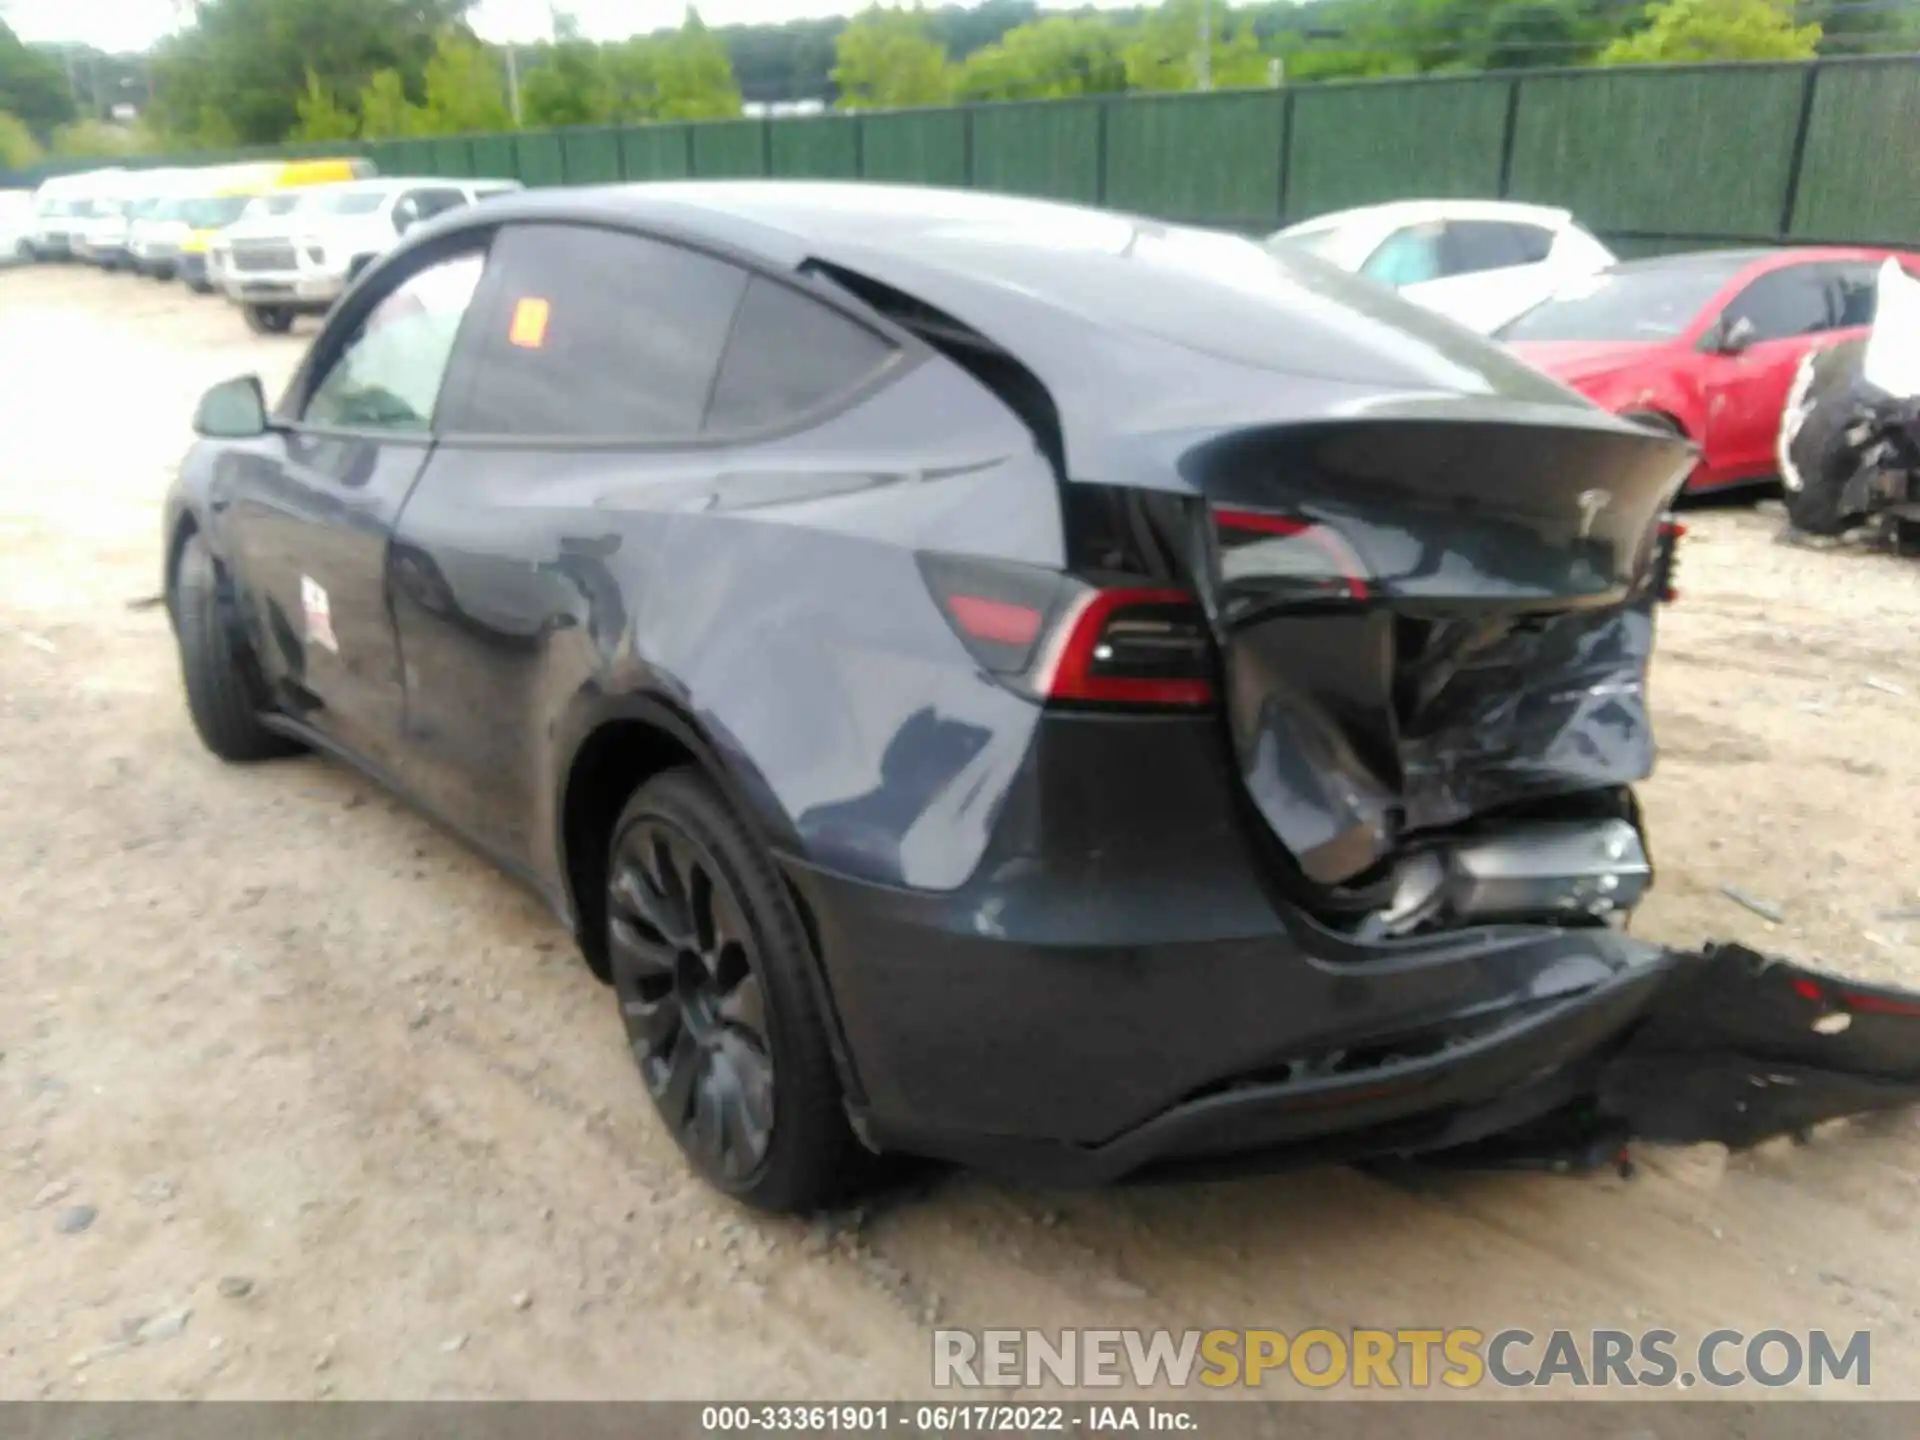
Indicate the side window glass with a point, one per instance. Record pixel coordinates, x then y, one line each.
432 202
596 334
1533 242
406 212
387 376
787 354
1406 257
1785 303
1471 246
1859 290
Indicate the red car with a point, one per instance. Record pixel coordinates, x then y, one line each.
1705 344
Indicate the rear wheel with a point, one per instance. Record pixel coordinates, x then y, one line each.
709 964
269 319
223 692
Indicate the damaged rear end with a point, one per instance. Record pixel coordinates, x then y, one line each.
1435 638
1388 597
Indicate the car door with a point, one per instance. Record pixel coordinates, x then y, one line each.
585 374
1781 314
308 520
594 406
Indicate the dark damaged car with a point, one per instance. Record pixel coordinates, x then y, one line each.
1849 447
1006 682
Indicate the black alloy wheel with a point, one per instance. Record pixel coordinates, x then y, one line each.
692 994
718 989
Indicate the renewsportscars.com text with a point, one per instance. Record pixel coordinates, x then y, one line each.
1459 1358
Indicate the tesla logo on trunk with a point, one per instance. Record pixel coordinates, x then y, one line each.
1591 503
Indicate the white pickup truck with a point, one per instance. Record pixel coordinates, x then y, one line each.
298 263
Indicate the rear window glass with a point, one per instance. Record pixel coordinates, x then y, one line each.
1622 305
787 354
597 334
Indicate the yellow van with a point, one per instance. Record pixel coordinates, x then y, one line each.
233 189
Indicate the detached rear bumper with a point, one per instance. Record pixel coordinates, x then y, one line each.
1069 1063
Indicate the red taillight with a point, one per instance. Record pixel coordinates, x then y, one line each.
1133 647
1319 560
1059 639
999 622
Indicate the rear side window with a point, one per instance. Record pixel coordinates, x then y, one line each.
595 334
788 354
1859 289
1472 246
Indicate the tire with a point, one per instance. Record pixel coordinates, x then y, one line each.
1825 462
710 968
269 319
222 691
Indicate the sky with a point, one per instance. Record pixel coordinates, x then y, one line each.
123 25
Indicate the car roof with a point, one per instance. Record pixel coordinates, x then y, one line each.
380 184
1733 264
1414 212
1131 325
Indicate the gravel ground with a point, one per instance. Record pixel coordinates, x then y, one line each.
298 1097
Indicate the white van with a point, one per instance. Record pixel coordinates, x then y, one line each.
17 225
143 194
66 206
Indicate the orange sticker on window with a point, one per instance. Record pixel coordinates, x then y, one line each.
529 328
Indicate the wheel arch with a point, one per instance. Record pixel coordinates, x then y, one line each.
185 526
1660 416
618 745
624 742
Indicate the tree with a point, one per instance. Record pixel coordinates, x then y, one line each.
465 92
98 139
385 110
1165 51
18 148
888 59
693 79
246 61
631 73
1061 55
33 86
1680 30
568 84
321 116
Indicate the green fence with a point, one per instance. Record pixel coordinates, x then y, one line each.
1654 158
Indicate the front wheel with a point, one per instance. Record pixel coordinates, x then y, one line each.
269 319
223 689
710 966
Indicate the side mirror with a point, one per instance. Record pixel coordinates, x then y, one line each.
1731 337
405 217
232 410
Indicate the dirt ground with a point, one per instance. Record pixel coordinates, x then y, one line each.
345 1096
